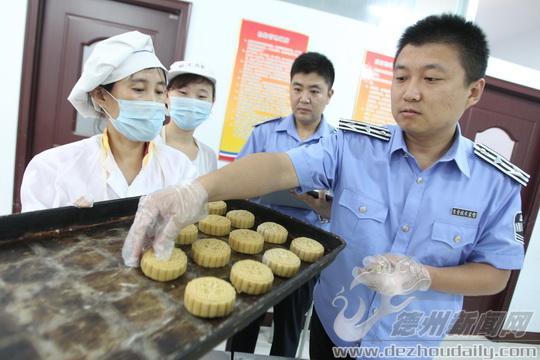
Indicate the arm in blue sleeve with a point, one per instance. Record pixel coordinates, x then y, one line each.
316 165
498 244
251 145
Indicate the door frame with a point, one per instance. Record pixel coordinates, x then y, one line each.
31 59
533 95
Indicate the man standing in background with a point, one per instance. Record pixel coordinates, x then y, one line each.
312 77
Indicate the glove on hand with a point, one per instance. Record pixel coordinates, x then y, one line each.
391 274
160 217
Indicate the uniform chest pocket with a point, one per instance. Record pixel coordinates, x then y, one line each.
450 244
361 221
363 207
455 236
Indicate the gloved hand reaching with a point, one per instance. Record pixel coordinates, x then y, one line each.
391 274
160 217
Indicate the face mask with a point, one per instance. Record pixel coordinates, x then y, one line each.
188 113
138 120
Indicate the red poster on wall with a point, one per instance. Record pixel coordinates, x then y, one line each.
373 97
260 83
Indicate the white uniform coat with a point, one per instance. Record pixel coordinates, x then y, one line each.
87 169
206 160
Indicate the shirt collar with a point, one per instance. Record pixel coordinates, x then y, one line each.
288 125
398 142
106 148
456 153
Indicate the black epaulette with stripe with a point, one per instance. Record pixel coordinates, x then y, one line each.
267 121
503 165
375 131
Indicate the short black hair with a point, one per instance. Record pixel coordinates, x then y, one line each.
315 62
182 80
454 30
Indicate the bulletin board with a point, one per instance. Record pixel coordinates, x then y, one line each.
373 96
260 84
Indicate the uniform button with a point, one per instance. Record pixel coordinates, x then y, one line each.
457 239
419 180
405 228
362 209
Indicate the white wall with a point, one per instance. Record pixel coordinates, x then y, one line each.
12 25
518 74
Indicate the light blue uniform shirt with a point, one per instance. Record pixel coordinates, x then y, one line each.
280 135
384 203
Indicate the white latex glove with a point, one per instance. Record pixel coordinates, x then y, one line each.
160 217
391 274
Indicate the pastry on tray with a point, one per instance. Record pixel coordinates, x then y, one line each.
209 297
283 262
272 232
241 219
246 241
187 235
211 253
217 207
164 270
215 225
307 249
251 277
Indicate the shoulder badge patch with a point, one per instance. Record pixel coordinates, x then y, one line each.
518 227
375 131
503 165
267 121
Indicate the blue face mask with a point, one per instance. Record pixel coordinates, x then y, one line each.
188 113
138 120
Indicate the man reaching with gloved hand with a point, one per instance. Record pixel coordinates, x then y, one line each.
438 214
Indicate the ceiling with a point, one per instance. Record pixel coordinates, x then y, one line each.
512 26
513 29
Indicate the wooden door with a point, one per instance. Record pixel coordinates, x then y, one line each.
507 118
60 35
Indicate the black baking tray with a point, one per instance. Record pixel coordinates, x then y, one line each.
64 291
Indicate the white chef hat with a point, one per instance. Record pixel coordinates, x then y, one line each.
111 60
191 67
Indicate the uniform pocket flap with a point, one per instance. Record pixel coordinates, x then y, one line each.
362 206
454 236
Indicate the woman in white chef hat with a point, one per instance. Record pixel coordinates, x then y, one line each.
124 82
191 92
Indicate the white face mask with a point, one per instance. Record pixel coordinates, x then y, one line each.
188 113
138 120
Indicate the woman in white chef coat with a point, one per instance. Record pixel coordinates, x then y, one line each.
191 92
123 82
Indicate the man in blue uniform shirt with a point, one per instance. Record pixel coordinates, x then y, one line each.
312 77
423 210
